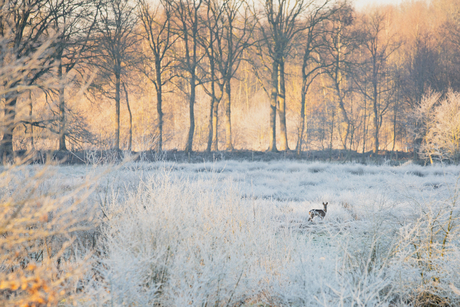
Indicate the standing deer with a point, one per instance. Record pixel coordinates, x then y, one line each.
318 212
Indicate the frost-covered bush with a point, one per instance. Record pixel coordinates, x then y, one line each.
45 231
174 243
428 254
439 125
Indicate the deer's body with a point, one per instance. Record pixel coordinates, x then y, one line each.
318 212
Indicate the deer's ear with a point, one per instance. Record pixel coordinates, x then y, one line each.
325 203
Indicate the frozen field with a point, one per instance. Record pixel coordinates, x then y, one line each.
237 234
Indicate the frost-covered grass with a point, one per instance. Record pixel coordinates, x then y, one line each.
236 234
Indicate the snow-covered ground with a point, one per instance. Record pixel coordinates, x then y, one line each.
237 234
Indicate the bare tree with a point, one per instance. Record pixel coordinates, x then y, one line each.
230 25
213 23
379 43
186 24
239 26
74 21
338 46
116 50
311 64
280 26
157 31
26 44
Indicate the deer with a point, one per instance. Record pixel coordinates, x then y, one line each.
318 212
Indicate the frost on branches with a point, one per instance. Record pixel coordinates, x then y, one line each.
437 122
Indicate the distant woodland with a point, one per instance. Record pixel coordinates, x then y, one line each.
223 75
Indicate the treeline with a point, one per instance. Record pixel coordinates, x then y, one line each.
271 75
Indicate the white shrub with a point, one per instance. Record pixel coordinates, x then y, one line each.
440 119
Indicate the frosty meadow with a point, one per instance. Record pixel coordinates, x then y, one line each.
231 234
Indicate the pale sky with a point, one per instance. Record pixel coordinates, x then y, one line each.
359 4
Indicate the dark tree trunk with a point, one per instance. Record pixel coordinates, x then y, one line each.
228 116
394 124
191 59
117 108
159 102
215 127
364 124
213 89
9 125
282 107
211 121
31 108
130 141
376 116
303 119
191 131
273 100
62 115
376 127
332 135
209 146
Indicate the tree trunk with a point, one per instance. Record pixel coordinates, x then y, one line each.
9 125
213 91
364 124
213 83
192 63
282 107
376 121
159 89
211 120
191 131
247 88
332 135
273 99
347 123
31 108
303 119
394 125
130 141
62 115
215 126
344 114
375 101
376 129
117 109
338 71
228 117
